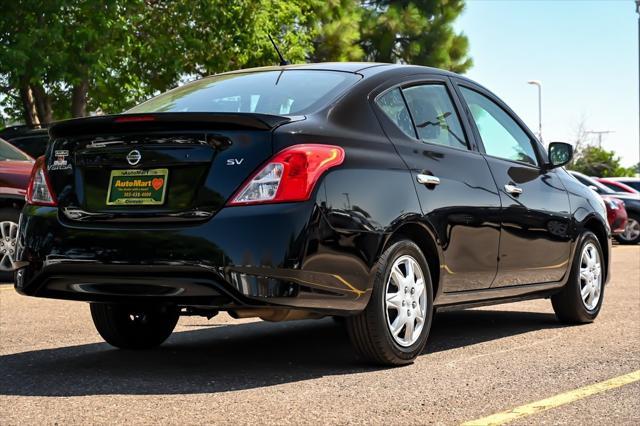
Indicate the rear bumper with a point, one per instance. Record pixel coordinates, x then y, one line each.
243 257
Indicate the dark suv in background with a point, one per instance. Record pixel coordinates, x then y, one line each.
32 141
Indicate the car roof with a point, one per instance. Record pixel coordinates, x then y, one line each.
352 67
12 132
623 179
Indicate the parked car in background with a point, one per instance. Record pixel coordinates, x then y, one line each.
631 234
616 214
616 186
633 182
15 169
32 141
375 192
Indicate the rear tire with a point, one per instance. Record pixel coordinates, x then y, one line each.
394 327
631 234
580 300
8 236
131 327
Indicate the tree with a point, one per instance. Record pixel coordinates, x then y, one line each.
61 58
51 52
182 40
64 58
595 161
418 32
336 30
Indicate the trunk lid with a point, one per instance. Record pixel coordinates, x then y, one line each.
159 166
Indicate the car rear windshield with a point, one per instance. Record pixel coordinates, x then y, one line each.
9 153
288 92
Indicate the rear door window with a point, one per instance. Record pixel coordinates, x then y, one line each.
396 109
434 116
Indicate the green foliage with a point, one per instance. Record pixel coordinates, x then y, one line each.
179 40
63 58
594 161
416 32
336 30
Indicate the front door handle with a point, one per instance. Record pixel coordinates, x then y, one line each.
513 190
427 179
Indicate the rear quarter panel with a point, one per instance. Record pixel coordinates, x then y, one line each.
362 200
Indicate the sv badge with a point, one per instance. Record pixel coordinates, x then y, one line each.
234 161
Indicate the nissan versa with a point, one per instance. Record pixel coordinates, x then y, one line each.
375 192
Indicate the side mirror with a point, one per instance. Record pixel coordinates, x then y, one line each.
560 153
594 188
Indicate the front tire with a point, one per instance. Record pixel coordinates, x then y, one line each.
131 327
394 327
580 300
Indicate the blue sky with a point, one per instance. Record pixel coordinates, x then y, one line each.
585 53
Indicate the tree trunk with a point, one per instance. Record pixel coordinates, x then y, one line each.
79 99
43 104
29 106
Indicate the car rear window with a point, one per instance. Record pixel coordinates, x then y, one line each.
9 153
287 92
35 146
587 181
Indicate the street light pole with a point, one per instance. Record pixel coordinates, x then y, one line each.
537 83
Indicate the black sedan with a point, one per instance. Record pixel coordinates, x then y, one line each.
375 192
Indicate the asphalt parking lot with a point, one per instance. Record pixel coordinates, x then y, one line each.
54 367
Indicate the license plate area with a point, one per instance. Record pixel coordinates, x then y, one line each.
137 187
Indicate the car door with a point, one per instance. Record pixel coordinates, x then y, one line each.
535 217
457 193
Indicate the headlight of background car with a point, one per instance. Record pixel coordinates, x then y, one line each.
612 204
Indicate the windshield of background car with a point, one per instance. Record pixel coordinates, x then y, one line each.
600 186
9 153
586 180
289 92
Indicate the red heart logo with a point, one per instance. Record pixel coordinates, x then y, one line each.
157 183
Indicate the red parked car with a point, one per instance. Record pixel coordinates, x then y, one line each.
15 170
616 214
617 186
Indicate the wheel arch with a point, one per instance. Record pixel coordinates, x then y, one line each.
425 239
602 234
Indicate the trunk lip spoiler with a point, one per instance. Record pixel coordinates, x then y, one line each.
164 120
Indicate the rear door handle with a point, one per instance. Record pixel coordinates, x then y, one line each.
427 179
512 189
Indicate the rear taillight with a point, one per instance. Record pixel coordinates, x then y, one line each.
39 191
289 176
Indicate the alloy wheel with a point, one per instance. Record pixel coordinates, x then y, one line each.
631 230
8 237
590 276
406 301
